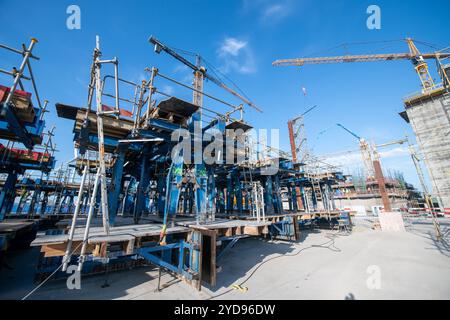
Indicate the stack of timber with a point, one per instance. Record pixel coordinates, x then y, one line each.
22 105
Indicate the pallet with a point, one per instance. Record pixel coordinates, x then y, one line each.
174 110
22 105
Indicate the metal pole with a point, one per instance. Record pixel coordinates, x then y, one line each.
20 71
101 141
137 118
34 84
428 199
150 94
13 74
116 82
88 221
18 51
197 90
68 254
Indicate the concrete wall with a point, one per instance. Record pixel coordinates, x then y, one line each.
369 203
430 120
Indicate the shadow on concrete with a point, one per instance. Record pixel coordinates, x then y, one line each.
92 287
443 246
18 280
247 255
238 263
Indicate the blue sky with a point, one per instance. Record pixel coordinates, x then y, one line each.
242 38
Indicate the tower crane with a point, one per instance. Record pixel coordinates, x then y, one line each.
417 58
200 73
298 143
375 148
373 167
176 169
366 152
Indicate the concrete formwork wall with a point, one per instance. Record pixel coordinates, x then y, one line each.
430 120
369 203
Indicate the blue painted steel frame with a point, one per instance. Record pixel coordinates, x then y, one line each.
10 122
180 268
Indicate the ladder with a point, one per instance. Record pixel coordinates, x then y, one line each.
317 189
96 84
258 211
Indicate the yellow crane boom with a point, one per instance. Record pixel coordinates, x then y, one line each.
356 58
417 58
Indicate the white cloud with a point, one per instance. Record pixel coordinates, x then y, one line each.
181 69
394 153
168 90
269 11
232 46
276 11
354 157
237 56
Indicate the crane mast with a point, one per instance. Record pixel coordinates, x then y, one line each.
366 152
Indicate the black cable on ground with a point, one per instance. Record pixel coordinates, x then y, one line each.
60 266
331 247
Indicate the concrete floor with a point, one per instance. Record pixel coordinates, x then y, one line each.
411 265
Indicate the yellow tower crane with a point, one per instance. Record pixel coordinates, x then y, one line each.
415 56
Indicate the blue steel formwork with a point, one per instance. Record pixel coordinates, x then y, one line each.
17 127
149 180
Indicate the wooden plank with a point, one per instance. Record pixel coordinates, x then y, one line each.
59 249
130 246
8 226
117 234
208 272
177 106
252 230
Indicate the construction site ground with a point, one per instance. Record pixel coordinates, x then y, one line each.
323 265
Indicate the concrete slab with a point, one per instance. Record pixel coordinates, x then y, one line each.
410 265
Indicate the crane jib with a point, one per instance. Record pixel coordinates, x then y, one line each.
160 46
357 58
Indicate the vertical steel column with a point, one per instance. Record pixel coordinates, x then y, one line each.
195 256
116 186
68 253
382 186
174 179
268 196
230 193
200 169
19 73
238 188
211 195
101 139
142 186
44 204
290 197
295 197
88 221
35 197
7 195
150 95
161 194
277 195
